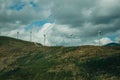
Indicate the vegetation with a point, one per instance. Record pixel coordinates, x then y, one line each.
21 60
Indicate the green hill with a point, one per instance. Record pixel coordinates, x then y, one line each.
21 60
8 41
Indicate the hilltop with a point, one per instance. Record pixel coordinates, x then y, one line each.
22 60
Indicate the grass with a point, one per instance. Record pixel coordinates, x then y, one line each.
28 62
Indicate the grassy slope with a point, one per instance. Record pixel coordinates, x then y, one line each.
28 62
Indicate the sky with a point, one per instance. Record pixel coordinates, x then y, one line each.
63 22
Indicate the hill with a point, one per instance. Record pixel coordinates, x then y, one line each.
8 41
113 44
28 62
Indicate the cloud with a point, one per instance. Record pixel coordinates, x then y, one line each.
23 11
78 13
103 41
88 16
80 18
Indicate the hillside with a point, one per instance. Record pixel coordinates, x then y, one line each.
21 60
8 41
113 44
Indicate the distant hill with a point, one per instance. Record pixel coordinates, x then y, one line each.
113 44
22 60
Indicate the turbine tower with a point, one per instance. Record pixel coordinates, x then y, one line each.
30 36
99 36
17 35
71 36
44 39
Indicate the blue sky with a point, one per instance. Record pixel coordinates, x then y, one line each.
17 6
37 23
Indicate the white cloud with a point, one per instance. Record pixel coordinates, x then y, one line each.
56 35
118 39
103 41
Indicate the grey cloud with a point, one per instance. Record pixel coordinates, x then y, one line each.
70 12
102 15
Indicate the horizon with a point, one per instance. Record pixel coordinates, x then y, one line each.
37 44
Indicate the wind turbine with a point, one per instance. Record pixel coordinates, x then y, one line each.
45 33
